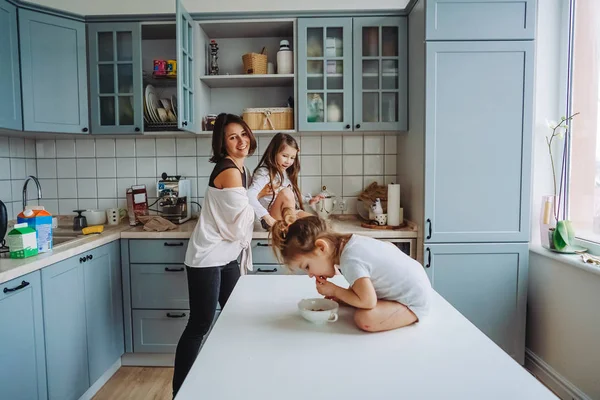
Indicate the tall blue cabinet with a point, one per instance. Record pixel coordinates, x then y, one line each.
10 75
54 73
478 156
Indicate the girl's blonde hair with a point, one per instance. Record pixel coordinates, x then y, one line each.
293 237
269 161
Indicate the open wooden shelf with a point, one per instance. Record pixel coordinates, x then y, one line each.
236 81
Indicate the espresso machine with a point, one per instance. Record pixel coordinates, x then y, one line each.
174 198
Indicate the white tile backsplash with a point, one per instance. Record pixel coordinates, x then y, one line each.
66 167
86 168
45 149
95 172
85 148
105 148
125 147
106 167
65 148
51 205
391 179
87 189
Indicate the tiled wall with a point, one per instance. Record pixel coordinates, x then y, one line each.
17 161
94 173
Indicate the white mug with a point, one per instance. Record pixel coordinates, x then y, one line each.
115 215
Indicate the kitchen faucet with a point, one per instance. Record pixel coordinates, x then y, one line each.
39 188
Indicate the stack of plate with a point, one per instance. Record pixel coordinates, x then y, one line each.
159 111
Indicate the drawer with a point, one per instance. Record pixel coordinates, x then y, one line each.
159 331
262 252
159 286
153 251
273 269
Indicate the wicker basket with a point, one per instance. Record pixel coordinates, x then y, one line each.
275 118
255 63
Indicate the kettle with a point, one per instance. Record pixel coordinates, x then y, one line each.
325 206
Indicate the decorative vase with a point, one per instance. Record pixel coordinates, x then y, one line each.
547 219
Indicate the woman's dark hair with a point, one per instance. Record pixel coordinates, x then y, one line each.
269 161
218 137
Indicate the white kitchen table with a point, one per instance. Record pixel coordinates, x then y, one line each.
261 348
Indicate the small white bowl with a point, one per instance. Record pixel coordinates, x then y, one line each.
319 311
94 217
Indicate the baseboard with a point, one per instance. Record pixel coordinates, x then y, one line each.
552 379
95 388
147 360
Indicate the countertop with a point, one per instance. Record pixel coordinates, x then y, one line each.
14 268
261 348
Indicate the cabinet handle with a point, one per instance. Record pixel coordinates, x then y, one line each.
357 126
21 286
170 315
174 269
180 244
84 130
82 259
267 270
428 258
89 256
259 244
429 223
348 126
137 129
184 123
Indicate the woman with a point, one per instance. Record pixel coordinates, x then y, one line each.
222 233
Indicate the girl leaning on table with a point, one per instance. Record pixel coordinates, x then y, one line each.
388 288
223 232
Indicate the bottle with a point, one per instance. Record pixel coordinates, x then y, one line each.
285 58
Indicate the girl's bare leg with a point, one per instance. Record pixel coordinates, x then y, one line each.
284 199
386 315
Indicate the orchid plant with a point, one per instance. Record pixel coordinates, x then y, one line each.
563 235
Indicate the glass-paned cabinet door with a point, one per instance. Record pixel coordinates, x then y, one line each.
325 74
186 116
380 74
116 77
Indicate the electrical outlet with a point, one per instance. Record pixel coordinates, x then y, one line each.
342 205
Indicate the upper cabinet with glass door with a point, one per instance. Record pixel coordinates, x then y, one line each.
325 74
352 74
380 74
186 64
115 78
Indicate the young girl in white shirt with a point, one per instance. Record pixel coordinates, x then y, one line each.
275 182
388 288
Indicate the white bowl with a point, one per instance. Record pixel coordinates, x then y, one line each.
319 311
94 217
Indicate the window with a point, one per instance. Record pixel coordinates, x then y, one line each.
584 145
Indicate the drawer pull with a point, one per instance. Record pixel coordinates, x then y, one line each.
180 244
266 270
259 244
174 269
171 315
21 286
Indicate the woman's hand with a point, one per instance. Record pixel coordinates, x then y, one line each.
269 220
315 199
326 288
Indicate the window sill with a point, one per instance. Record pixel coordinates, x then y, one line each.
569 259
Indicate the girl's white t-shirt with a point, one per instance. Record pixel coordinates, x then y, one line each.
395 275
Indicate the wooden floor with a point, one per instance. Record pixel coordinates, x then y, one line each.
138 383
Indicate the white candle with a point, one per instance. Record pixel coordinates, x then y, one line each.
393 205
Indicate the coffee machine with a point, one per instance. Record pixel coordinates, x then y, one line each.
174 198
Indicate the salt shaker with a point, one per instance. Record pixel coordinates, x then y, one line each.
285 58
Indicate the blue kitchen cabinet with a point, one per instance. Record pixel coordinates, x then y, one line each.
487 283
380 73
116 105
478 141
22 353
65 329
53 72
325 74
480 19
186 70
10 76
103 308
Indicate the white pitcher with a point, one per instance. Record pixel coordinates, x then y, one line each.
325 206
